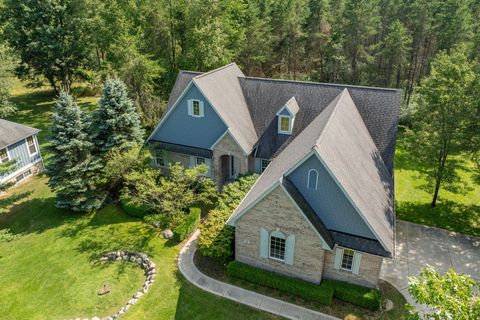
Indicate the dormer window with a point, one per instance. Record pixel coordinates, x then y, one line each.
284 125
195 108
286 116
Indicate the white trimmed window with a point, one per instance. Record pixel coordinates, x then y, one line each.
4 155
264 164
24 175
199 161
195 108
347 260
160 158
32 146
312 180
277 245
284 124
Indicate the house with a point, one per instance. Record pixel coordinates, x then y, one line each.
323 205
19 142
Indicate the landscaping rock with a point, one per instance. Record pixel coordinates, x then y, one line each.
167 234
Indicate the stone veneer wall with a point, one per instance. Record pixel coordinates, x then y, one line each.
36 169
369 272
228 146
276 211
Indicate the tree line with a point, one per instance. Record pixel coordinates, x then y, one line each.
384 43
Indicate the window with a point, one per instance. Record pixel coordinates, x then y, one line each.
24 175
4 155
199 161
277 245
232 168
195 108
347 260
160 158
284 124
32 147
312 181
264 164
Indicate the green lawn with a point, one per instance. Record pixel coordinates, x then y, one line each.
455 212
51 271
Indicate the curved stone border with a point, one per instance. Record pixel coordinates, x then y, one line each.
150 273
237 294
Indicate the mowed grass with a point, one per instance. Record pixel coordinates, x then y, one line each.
459 212
52 271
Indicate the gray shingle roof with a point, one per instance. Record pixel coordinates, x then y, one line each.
183 79
340 138
11 132
222 87
378 107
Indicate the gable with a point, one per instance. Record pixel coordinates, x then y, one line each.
328 201
178 127
276 209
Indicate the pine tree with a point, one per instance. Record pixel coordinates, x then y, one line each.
116 124
70 168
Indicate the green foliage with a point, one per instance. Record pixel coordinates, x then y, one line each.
188 225
51 37
132 207
442 120
319 293
168 197
216 238
360 296
71 169
451 296
7 236
7 67
116 124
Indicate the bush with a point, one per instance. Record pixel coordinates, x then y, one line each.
216 238
7 236
368 298
189 224
319 293
133 208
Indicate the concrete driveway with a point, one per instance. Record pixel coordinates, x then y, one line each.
419 245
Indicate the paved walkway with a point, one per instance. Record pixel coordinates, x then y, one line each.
419 245
240 295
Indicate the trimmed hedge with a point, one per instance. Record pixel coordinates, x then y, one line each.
368 298
132 208
319 293
189 224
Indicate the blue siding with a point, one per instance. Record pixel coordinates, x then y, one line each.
285 112
180 128
329 201
19 152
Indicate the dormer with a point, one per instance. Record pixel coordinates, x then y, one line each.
286 116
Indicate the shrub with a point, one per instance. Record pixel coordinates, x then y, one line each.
216 238
7 236
132 207
368 298
189 224
319 293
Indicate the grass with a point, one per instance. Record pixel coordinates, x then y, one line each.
51 271
459 212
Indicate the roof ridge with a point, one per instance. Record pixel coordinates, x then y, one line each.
215 70
19 124
322 83
329 117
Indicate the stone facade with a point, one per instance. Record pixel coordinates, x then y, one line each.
277 212
35 169
227 146
367 276
311 262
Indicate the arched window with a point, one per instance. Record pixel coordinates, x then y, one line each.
312 181
277 245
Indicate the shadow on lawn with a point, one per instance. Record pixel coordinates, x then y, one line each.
447 215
